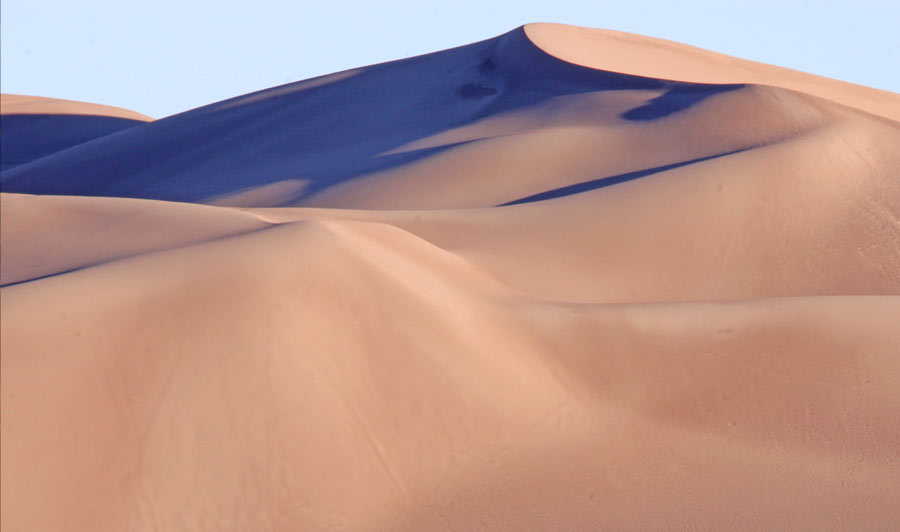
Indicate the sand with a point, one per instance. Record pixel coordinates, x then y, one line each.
35 127
638 286
21 104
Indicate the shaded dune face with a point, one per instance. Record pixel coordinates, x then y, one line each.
33 126
27 137
562 279
332 132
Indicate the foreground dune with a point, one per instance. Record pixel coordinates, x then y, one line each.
563 279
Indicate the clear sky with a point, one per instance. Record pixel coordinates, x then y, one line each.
165 56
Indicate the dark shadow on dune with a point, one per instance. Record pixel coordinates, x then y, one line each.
475 91
324 133
676 99
28 137
610 180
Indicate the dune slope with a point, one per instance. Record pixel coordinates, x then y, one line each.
562 279
34 127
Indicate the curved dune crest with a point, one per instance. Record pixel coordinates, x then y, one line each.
561 279
12 104
658 58
37 231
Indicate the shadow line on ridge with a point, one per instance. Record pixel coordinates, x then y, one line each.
611 180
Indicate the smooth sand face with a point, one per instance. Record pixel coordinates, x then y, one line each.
710 343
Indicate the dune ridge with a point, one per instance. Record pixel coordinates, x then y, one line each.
658 58
22 104
561 279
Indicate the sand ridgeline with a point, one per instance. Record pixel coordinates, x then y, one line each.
562 279
21 104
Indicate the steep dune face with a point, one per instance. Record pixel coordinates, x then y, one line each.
343 129
34 127
563 279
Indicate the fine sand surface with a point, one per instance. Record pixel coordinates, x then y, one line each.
562 279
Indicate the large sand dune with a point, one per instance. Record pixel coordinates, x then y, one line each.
562 279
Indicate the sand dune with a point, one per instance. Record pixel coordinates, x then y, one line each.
34 127
48 235
562 279
657 58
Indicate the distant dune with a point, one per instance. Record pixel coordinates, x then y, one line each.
561 279
19 104
34 127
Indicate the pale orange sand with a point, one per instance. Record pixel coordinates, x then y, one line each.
657 58
711 347
13 104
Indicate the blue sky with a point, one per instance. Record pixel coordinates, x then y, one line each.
163 57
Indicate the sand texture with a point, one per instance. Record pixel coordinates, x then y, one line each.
561 279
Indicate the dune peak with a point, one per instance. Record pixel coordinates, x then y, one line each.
652 57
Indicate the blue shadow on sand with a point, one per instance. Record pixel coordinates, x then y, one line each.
610 180
28 137
676 99
328 130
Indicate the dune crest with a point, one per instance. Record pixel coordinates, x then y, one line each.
658 58
18 104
